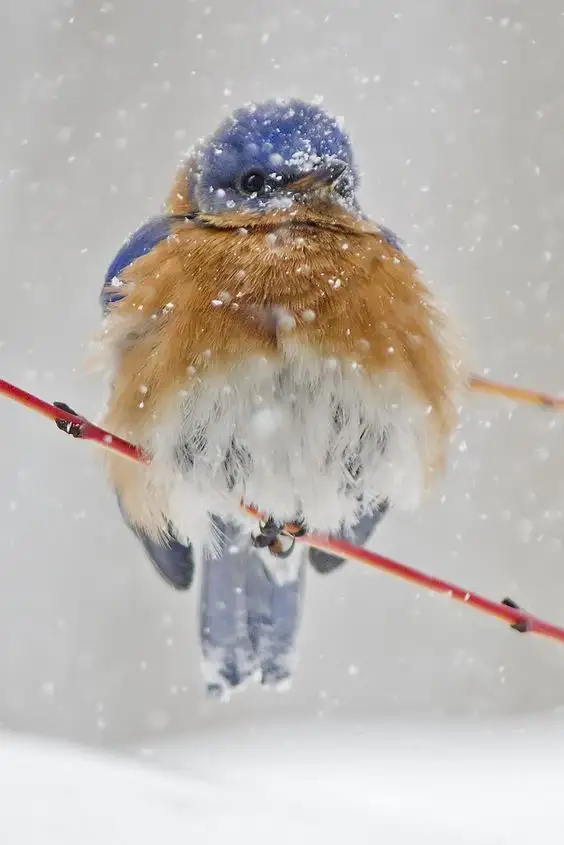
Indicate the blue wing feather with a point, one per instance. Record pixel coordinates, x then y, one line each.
141 242
173 559
391 238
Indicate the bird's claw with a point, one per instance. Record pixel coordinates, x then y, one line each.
279 538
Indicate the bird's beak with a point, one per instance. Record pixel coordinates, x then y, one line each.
322 175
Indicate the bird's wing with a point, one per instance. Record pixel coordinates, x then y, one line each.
391 238
141 242
172 558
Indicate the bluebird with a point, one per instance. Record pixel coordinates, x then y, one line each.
272 345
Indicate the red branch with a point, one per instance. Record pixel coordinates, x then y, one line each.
88 431
509 613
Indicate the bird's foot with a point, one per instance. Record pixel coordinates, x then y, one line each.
278 537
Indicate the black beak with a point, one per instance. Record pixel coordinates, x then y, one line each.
324 174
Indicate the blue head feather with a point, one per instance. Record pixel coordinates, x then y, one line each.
281 139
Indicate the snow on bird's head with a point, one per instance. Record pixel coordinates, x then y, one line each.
251 159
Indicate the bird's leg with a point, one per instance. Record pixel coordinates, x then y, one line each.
278 537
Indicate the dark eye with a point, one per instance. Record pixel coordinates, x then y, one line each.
253 182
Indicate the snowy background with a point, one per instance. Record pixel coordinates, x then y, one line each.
437 788
456 113
311 785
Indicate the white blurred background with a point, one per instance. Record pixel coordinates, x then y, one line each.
456 114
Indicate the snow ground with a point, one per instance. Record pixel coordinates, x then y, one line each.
388 784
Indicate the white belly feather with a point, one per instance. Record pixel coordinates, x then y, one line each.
276 423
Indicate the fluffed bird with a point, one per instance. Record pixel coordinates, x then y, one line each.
271 344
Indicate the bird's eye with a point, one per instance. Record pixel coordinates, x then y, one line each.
253 182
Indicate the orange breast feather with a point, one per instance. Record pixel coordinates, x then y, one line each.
209 297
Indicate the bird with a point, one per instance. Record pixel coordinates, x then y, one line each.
268 343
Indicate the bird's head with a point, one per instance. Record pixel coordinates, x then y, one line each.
272 157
